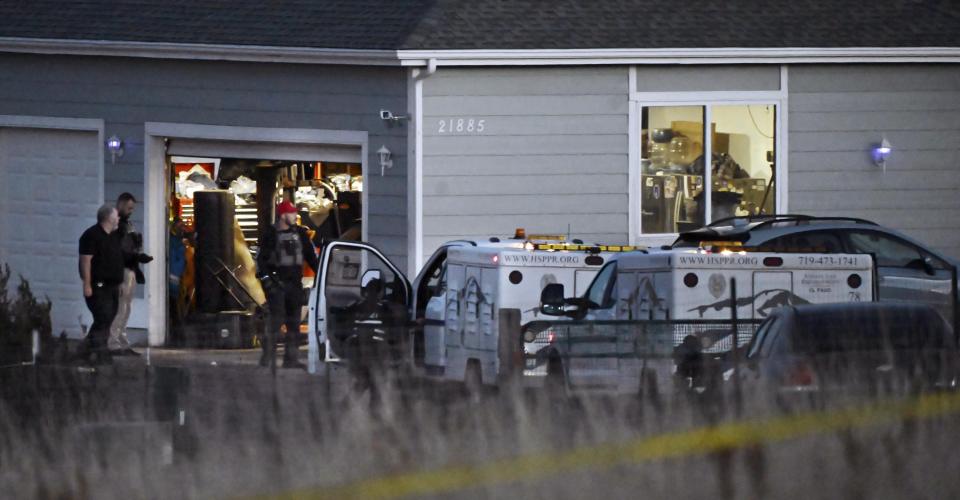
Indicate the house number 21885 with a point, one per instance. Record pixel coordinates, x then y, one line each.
461 126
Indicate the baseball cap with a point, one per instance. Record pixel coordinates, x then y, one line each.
285 207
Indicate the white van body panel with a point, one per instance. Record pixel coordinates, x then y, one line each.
480 281
691 285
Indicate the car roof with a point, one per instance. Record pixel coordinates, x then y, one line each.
912 322
744 229
757 230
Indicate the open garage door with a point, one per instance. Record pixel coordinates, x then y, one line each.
50 188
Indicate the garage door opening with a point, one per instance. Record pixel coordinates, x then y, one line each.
218 206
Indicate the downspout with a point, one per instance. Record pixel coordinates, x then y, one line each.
430 69
415 175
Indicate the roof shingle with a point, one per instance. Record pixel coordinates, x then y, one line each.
492 24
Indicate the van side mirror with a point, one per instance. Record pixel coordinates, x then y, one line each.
924 264
928 266
551 299
370 275
371 283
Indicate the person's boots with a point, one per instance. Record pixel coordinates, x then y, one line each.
266 349
290 352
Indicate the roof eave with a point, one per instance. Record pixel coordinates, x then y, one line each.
157 50
480 57
732 55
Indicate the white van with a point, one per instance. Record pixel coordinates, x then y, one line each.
641 306
462 315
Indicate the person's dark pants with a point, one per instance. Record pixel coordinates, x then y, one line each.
286 303
103 304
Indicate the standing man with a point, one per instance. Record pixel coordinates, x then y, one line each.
131 242
284 248
101 270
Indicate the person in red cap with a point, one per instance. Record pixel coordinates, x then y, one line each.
284 247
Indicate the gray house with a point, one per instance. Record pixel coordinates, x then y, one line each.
470 119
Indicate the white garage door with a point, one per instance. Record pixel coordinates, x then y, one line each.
50 188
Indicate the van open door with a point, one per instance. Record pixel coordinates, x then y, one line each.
359 307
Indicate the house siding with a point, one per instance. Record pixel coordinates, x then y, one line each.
552 155
697 78
127 92
839 112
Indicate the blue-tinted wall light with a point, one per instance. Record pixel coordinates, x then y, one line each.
881 152
115 146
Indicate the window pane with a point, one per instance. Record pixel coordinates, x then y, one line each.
889 252
743 160
813 241
351 269
671 185
598 290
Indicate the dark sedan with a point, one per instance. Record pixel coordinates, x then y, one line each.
868 348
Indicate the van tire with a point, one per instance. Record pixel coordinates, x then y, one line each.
555 384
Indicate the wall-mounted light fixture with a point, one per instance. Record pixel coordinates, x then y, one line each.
881 152
388 116
115 146
386 160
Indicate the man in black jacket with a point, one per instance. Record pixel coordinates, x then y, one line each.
131 242
284 248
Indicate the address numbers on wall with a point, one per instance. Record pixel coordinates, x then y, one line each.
461 126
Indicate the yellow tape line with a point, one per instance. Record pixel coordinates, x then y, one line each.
671 445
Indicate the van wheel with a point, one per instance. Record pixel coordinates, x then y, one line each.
473 380
556 382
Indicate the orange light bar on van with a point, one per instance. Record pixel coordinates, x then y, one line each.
720 244
547 237
574 247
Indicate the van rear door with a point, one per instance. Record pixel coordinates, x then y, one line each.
360 299
771 289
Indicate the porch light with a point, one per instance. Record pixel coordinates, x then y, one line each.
386 160
881 152
115 146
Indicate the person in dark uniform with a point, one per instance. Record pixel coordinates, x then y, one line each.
101 270
284 247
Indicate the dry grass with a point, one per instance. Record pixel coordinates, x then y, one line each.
117 434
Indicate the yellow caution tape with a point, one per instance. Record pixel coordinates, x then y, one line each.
699 441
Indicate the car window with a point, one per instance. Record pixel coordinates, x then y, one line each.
807 241
599 291
773 334
759 337
433 282
890 251
436 277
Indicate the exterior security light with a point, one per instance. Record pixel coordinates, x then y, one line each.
388 116
385 159
115 146
881 152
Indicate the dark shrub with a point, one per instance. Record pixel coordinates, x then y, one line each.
19 316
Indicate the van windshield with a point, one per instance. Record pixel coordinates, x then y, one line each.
600 287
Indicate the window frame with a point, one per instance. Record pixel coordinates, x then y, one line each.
708 100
